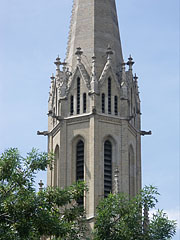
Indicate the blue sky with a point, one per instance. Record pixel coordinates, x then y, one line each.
34 32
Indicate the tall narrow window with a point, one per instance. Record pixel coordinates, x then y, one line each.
78 95
131 103
116 105
103 103
72 105
80 165
109 95
84 103
56 160
107 168
132 179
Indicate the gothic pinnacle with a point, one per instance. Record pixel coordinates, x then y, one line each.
130 63
135 78
64 66
123 66
52 78
57 63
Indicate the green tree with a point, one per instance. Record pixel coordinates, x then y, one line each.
119 218
26 214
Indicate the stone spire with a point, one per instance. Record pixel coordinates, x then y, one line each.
94 26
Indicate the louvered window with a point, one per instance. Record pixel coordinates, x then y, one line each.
80 165
132 171
109 95
56 160
72 105
116 105
84 103
78 95
107 168
103 103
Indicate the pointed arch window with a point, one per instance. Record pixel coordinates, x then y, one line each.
131 172
103 103
115 105
80 165
84 103
107 168
72 105
56 160
109 95
78 95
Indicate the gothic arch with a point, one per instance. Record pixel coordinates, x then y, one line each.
56 165
75 141
132 171
109 163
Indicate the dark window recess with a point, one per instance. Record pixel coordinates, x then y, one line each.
109 95
107 168
103 103
84 103
80 166
72 105
116 105
78 95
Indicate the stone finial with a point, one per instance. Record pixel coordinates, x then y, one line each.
109 53
135 78
52 78
41 185
57 63
64 65
123 67
130 63
116 181
78 53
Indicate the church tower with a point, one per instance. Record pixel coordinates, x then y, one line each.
94 119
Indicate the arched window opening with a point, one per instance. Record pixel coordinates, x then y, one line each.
103 103
107 168
116 105
109 95
72 105
131 172
80 165
131 102
84 103
78 95
56 161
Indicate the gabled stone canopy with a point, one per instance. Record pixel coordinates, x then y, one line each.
94 26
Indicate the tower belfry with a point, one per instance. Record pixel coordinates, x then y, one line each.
94 113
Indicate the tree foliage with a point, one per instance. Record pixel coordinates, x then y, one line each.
119 218
53 212
27 214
